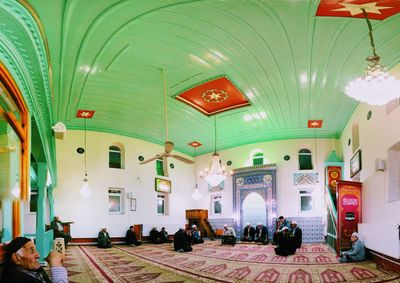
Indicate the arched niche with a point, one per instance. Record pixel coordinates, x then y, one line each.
262 181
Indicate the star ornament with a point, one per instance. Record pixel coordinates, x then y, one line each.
85 114
355 9
315 124
195 144
376 9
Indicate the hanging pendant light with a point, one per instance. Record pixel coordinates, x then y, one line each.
196 195
85 189
216 174
377 87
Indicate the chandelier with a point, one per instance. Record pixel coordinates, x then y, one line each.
377 86
216 174
85 189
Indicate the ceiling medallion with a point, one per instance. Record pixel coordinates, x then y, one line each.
215 95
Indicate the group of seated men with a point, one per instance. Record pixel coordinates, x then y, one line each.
104 239
258 234
159 237
287 237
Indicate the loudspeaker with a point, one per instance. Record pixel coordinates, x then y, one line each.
59 130
129 195
380 164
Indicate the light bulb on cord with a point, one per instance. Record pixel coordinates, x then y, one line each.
196 195
85 189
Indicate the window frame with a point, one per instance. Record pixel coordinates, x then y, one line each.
306 192
121 156
165 199
121 195
213 200
304 154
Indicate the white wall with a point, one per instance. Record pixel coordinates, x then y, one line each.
274 151
377 135
90 214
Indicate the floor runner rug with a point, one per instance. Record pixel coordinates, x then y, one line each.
211 262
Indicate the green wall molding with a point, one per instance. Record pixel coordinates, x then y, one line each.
23 52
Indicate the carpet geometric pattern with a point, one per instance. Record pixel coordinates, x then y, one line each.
210 262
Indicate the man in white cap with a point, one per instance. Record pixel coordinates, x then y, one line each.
261 234
285 247
229 236
296 235
248 233
196 238
357 251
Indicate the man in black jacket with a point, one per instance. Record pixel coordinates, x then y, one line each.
296 235
131 237
261 234
58 230
248 233
181 243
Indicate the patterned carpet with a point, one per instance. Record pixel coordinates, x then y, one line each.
211 262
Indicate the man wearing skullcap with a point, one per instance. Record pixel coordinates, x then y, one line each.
296 235
357 251
21 264
248 233
196 237
229 236
261 234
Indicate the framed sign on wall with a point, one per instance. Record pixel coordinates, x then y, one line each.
355 163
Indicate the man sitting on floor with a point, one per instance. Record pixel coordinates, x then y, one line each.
130 237
164 236
248 233
261 234
103 239
296 235
285 246
22 265
181 243
229 236
357 251
155 236
58 230
196 238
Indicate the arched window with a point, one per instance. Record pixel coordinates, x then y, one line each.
115 157
305 159
160 167
258 158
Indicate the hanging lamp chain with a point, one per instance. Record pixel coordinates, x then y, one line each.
371 38
195 167
215 135
85 148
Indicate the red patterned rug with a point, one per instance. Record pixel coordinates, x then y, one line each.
211 262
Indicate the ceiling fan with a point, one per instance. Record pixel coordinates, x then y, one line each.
168 144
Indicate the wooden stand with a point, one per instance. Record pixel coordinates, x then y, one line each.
199 217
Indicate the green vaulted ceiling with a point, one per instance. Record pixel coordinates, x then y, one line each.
107 56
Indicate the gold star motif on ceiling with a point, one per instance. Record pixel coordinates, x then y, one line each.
85 114
355 9
215 95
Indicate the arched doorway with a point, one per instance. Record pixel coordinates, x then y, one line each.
254 210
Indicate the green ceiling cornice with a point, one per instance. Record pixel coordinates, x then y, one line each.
23 52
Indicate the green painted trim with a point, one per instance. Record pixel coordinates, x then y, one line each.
24 55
